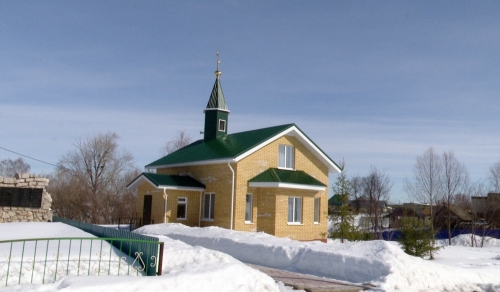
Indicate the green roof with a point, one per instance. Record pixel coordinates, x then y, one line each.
226 147
234 145
171 181
335 200
275 175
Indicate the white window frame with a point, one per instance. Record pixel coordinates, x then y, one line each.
249 208
317 208
295 205
211 206
286 157
223 123
182 201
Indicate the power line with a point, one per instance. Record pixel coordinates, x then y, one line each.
28 157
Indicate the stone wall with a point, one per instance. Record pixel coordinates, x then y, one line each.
20 214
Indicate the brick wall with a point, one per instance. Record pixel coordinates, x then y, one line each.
22 214
264 159
217 179
158 205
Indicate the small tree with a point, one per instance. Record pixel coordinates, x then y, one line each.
342 218
181 140
416 238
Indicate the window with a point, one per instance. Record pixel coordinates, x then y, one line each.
294 210
182 208
248 208
316 210
208 207
285 157
222 125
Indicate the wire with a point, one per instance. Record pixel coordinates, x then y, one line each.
29 157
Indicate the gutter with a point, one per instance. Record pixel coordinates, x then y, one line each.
165 196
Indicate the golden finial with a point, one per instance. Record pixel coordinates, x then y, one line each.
217 73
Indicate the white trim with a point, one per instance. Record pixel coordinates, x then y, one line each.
294 131
218 125
319 210
294 207
251 208
194 189
286 149
216 109
185 210
209 207
285 185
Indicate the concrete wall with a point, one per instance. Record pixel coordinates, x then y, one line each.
21 214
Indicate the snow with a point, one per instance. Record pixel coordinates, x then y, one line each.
379 263
211 258
185 268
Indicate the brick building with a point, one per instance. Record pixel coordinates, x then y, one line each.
272 180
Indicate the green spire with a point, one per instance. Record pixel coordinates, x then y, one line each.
216 112
217 100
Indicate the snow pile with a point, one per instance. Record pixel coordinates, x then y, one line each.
185 268
380 263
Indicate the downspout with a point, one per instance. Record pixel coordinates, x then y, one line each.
165 196
232 194
199 215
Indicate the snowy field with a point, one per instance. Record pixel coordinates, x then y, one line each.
192 263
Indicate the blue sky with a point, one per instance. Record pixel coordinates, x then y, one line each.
373 82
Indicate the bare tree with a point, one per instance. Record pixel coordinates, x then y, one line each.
9 167
493 201
477 190
454 179
426 188
357 191
377 186
181 140
494 177
94 177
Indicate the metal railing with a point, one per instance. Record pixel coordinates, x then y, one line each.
42 260
99 231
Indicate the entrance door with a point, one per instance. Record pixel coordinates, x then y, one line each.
146 211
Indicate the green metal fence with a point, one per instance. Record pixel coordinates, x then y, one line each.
137 243
42 260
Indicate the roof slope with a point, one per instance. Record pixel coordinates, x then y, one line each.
225 147
167 181
237 146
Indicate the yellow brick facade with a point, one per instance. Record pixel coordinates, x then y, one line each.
270 205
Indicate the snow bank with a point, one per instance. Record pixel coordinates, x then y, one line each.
379 263
185 268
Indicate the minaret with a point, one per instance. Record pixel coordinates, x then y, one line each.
216 113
